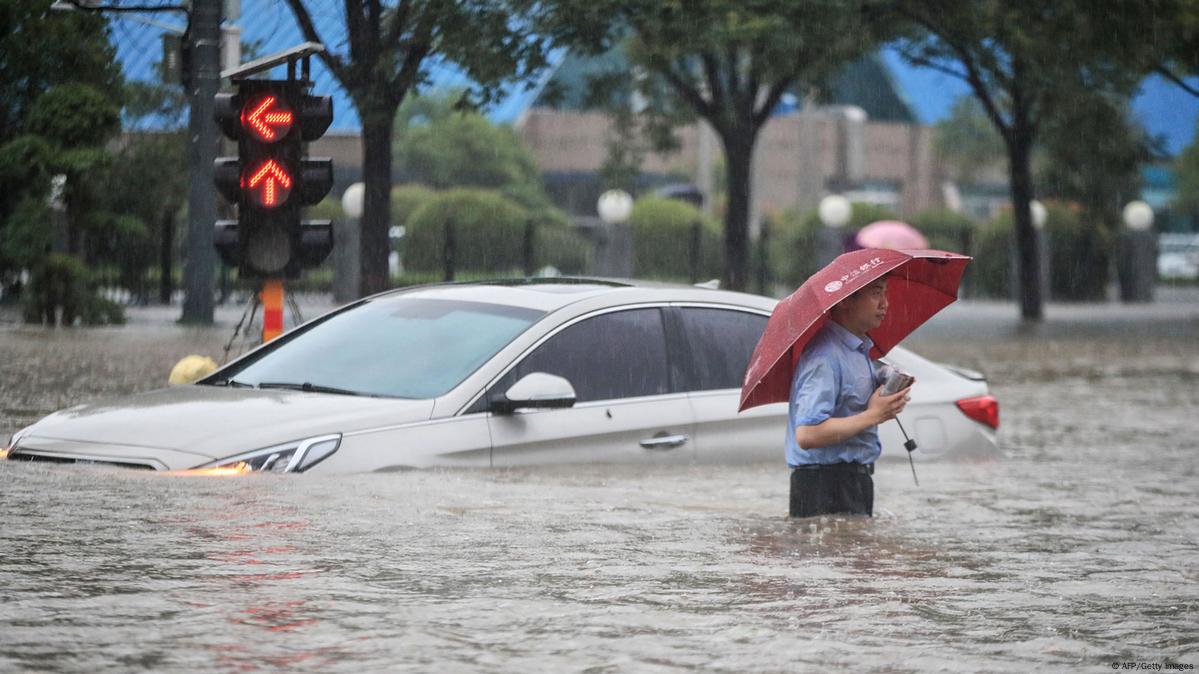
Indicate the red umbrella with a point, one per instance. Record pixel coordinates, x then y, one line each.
890 234
920 283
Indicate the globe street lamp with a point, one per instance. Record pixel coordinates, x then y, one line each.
1040 214
616 253
1040 237
1137 266
834 212
615 206
345 244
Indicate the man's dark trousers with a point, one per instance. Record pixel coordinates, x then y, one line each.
832 489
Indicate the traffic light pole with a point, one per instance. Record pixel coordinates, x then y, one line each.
204 36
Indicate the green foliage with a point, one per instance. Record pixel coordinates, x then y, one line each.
563 249
951 231
384 54
407 200
1094 151
1030 64
463 149
1186 168
1080 253
27 234
329 208
41 51
61 292
489 234
967 142
25 170
138 203
991 270
944 229
794 237
488 229
74 115
725 61
440 147
662 234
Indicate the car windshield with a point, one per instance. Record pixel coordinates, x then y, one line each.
405 347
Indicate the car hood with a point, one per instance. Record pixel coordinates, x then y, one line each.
210 422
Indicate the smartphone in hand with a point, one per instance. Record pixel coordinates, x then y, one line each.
897 380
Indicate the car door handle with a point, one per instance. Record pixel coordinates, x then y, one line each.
662 441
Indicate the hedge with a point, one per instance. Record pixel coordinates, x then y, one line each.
793 249
489 233
662 234
1080 252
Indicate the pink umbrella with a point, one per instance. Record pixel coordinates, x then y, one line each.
891 234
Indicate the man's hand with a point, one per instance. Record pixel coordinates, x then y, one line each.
833 430
884 407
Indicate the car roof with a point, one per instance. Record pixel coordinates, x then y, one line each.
552 293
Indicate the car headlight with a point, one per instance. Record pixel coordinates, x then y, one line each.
12 442
291 457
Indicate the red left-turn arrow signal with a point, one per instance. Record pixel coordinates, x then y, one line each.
267 118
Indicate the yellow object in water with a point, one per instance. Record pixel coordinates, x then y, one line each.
190 369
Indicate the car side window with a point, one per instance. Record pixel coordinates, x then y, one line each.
615 355
721 342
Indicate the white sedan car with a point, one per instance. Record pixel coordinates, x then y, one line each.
486 375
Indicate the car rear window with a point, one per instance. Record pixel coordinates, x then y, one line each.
404 347
721 342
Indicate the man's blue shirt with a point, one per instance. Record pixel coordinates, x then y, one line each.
835 378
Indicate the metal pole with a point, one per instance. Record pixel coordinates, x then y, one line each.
204 37
272 308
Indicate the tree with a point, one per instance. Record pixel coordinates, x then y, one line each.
40 52
460 149
1177 38
1093 157
389 52
1187 168
1024 62
967 142
149 182
729 61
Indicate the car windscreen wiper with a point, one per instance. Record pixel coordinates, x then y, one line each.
309 387
231 383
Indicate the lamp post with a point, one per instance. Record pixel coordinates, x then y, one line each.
614 208
834 212
1041 240
345 244
1137 266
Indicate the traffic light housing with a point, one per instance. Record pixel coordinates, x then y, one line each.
271 179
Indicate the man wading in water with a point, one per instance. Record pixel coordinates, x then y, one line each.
835 408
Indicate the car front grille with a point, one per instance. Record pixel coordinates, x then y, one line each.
34 457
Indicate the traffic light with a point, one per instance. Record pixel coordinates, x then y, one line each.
270 180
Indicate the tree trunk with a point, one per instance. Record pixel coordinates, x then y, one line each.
374 242
738 153
1028 262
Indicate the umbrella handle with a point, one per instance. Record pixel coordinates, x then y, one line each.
910 445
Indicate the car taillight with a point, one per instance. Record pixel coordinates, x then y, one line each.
983 409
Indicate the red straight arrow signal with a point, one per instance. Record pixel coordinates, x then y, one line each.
268 119
269 184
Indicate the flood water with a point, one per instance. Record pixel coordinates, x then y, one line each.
1077 549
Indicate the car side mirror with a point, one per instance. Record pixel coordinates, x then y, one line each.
536 390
